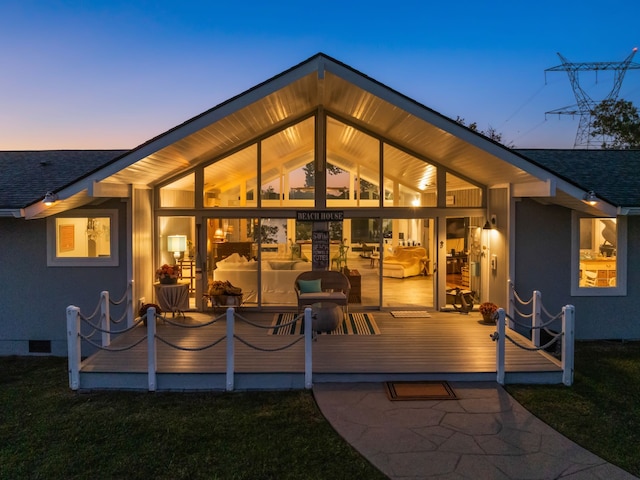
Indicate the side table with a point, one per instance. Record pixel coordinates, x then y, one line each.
172 298
355 295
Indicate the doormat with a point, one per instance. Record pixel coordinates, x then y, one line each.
419 391
352 324
410 314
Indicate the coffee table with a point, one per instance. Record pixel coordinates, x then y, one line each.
326 316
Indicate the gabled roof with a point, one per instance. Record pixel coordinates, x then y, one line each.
344 93
28 175
614 175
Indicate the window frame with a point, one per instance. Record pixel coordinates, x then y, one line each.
111 261
621 260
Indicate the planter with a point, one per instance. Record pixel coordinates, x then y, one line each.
488 318
168 281
228 300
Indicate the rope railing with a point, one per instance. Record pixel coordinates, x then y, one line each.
565 337
517 297
125 296
533 327
75 320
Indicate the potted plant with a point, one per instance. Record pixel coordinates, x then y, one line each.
224 293
168 274
143 311
488 310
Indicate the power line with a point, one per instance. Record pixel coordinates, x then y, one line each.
585 104
526 102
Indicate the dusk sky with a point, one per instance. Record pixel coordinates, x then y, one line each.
113 74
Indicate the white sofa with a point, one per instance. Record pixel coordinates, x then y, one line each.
278 277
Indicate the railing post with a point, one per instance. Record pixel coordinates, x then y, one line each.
73 346
568 323
512 302
151 348
308 342
536 319
500 346
105 318
230 349
131 314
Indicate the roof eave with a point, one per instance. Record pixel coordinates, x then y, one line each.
11 212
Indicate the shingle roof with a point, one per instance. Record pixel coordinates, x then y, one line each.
28 175
614 175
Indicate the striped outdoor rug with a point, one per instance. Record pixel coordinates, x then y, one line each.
355 324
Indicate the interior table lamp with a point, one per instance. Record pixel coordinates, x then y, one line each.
177 244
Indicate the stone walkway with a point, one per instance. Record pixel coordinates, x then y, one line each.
483 434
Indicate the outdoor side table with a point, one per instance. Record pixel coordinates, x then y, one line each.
326 316
172 298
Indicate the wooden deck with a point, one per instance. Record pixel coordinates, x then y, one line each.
446 346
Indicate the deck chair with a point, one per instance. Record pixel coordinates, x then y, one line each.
340 258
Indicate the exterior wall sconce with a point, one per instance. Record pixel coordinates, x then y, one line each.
590 198
487 226
50 198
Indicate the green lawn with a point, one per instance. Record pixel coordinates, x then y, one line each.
48 432
601 411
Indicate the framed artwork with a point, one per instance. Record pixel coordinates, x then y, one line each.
66 238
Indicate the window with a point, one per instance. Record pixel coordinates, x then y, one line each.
408 181
600 256
287 166
353 166
179 193
231 181
83 238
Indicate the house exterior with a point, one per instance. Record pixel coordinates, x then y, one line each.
321 154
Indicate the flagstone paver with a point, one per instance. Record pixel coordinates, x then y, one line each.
484 433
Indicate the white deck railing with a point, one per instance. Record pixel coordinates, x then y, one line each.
565 336
75 337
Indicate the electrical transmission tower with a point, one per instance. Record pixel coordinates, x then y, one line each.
585 104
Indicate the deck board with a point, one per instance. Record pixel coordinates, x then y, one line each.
443 343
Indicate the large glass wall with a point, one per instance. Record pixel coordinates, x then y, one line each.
408 180
287 166
461 193
407 262
232 181
179 194
353 166
232 259
262 251
176 247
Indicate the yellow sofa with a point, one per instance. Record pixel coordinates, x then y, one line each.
405 262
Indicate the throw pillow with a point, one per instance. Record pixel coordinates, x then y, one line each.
310 286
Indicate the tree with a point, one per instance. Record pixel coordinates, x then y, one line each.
310 173
618 123
491 132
